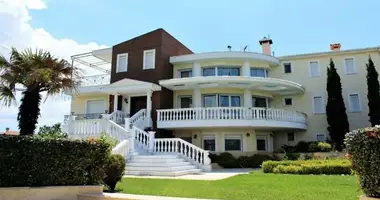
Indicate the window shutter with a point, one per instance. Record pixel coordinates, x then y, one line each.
110 108
120 102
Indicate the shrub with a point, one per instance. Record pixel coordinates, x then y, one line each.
363 149
105 138
338 166
291 156
306 147
227 160
214 158
256 160
35 161
114 170
51 132
324 147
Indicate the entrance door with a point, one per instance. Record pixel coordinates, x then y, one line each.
137 103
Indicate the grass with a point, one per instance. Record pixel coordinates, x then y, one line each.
254 186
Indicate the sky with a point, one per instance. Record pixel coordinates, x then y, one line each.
68 27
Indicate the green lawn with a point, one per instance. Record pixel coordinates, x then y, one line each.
257 186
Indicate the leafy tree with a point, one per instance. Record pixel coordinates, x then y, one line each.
53 131
337 120
373 94
33 73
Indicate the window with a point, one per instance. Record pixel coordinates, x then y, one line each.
291 137
261 143
287 68
349 66
185 73
185 102
208 71
122 62
209 143
233 143
221 71
354 102
260 102
318 107
228 71
222 100
321 137
149 59
288 101
258 72
314 70
95 106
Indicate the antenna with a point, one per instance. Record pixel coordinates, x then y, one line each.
245 48
229 47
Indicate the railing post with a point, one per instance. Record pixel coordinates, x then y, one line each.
104 124
132 140
151 141
70 124
127 125
206 162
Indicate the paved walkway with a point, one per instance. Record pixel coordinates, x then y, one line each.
118 196
216 174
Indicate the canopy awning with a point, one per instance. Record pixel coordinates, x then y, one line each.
98 59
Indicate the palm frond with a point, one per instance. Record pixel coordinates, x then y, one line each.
7 95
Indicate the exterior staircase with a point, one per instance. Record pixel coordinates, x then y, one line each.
145 154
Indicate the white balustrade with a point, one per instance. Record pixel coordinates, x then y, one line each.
86 128
141 137
140 115
122 148
185 149
230 113
116 131
118 116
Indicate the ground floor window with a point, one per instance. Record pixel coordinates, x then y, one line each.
209 143
321 137
233 143
95 106
261 142
291 137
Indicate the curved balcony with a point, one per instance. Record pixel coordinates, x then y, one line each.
231 117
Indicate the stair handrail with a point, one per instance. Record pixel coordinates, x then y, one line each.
140 115
122 148
185 149
118 116
143 138
115 130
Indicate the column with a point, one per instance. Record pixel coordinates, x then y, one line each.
149 104
115 97
197 100
246 69
151 141
196 69
247 98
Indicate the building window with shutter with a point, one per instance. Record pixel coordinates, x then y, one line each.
318 105
354 102
287 68
349 66
314 69
149 59
122 62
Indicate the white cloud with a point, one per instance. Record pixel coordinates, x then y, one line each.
17 32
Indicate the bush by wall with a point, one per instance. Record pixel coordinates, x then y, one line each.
36 161
338 166
114 170
307 147
227 160
363 149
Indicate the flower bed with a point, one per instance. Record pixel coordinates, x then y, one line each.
337 166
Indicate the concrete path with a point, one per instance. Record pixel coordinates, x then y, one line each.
120 196
217 174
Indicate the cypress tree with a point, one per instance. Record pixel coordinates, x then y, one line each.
337 120
373 93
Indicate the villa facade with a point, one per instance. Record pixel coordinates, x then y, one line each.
235 101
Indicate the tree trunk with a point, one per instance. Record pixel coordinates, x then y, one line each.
29 111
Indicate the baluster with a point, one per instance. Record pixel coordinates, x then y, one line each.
196 155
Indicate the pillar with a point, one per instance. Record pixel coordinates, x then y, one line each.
115 97
246 69
247 98
149 105
197 99
196 69
151 141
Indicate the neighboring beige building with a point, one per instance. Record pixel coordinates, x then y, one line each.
241 102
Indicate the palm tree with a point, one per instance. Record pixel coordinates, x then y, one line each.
33 72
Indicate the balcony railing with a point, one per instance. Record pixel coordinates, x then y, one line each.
102 79
230 114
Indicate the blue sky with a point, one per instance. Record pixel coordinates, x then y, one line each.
296 26
67 27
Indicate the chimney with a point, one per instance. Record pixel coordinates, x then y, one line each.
6 129
266 44
335 46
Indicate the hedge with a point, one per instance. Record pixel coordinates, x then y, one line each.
36 161
227 160
307 147
337 166
363 149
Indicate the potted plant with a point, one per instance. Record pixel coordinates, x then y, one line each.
363 149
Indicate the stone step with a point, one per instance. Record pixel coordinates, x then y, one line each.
160 169
147 160
156 164
155 156
163 173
